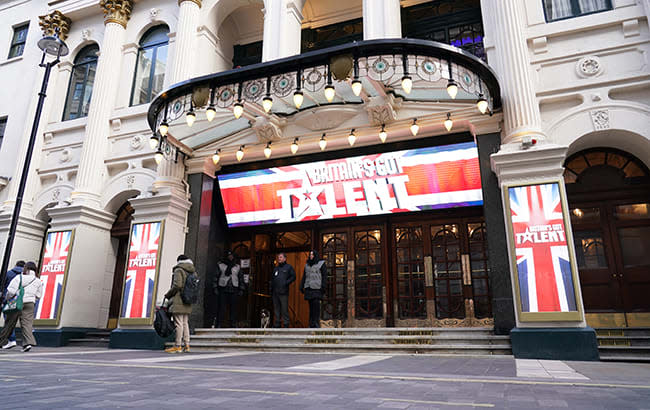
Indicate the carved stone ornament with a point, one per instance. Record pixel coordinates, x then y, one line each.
381 110
50 22
589 66
600 119
56 194
154 13
86 34
197 2
266 130
137 142
130 181
116 11
66 156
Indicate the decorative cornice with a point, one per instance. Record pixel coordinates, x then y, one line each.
197 2
55 20
116 11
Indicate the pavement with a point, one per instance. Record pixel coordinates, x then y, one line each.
78 378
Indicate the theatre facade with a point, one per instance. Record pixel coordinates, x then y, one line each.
457 164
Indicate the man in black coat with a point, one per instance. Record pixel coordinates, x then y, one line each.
11 274
283 275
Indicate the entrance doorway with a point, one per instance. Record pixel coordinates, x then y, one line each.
120 237
608 194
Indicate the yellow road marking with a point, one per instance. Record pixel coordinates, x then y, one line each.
284 393
343 375
444 403
96 381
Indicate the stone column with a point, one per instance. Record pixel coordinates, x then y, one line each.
381 19
92 172
183 62
282 26
520 108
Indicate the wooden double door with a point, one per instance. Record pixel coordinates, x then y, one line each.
405 272
612 240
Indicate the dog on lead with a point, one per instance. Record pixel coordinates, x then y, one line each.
265 318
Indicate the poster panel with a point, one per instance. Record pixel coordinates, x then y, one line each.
53 274
141 273
545 276
400 181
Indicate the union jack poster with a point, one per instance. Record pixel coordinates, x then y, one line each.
141 270
399 181
53 271
543 264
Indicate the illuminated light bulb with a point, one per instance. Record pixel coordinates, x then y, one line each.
356 87
190 117
407 84
153 141
294 146
267 103
298 98
452 88
240 153
330 92
448 122
383 134
482 104
352 138
415 127
210 113
216 157
238 109
158 156
267 150
164 127
322 143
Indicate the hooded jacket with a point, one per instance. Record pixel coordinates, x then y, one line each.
181 270
32 285
11 274
230 277
317 268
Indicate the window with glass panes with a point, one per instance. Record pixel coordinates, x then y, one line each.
150 65
448 277
563 9
368 277
3 127
18 40
82 79
409 245
335 248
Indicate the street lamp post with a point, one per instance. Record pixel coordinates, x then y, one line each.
53 46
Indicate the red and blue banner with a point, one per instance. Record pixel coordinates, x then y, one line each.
401 181
543 264
141 270
53 271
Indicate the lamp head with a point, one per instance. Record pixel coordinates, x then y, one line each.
53 46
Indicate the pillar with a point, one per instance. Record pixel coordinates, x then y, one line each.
183 62
543 331
381 19
282 27
92 172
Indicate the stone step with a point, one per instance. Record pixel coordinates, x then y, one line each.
349 331
624 340
355 339
503 349
622 331
624 358
90 342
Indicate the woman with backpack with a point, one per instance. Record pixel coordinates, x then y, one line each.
179 310
32 291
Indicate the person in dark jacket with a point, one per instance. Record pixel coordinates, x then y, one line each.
230 285
313 286
11 274
283 275
180 311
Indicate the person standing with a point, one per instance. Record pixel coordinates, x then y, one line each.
313 286
179 310
16 270
33 289
230 285
283 275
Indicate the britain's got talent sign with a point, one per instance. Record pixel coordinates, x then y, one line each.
54 270
141 272
400 181
541 247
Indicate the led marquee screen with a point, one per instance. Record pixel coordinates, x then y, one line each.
401 181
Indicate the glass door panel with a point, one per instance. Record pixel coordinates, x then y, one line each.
479 265
445 249
368 274
410 272
335 246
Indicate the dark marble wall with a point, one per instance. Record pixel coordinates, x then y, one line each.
500 282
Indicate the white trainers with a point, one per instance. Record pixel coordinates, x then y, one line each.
27 348
9 345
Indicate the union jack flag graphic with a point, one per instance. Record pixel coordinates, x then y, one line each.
543 266
141 270
55 260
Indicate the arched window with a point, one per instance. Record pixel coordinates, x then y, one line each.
150 65
80 89
603 167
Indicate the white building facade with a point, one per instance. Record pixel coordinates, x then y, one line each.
575 89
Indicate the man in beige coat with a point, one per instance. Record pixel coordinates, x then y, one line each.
179 310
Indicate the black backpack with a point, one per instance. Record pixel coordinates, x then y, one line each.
162 323
190 293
